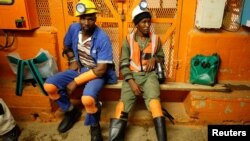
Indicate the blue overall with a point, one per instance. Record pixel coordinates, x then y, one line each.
101 52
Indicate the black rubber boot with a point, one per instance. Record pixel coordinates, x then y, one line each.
69 120
117 129
160 128
98 113
96 133
13 134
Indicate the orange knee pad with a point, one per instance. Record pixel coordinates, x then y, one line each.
119 109
89 104
155 107
51 90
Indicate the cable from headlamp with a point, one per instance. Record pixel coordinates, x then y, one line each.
7 44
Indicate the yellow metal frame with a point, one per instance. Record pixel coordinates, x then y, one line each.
121 15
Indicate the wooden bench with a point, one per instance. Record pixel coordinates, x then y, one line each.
180 86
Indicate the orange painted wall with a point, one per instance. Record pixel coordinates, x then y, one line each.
211 107
234 50
27 44
233 47
32 102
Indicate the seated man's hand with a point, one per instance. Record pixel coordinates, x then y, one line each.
150 65
71 87
135 87
74 66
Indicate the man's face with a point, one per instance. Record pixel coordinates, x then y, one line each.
87 21
144 25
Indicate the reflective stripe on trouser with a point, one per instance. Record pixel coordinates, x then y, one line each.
150 84
89 104
52 91
92 93
60 80
155 108
119 109
7 122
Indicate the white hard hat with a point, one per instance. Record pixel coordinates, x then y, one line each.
138 10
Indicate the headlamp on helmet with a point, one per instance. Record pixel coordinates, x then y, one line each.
141 11
85 7
143 4
80 8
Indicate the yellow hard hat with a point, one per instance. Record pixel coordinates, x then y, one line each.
85 7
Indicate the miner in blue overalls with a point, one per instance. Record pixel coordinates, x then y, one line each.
89 52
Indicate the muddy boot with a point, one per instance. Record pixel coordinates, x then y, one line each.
12 135
160 128
117 129
96 133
